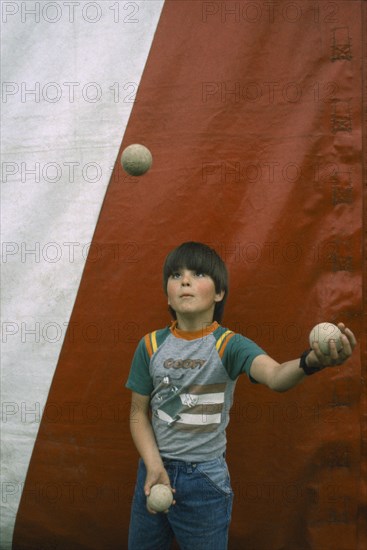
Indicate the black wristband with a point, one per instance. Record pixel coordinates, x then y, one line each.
303 365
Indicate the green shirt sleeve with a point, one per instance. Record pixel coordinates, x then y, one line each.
238 356
139 379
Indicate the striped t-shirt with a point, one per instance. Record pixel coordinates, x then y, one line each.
190 378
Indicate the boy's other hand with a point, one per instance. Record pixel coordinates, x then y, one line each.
334 357
154 477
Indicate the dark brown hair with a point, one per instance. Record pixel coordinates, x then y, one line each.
202 259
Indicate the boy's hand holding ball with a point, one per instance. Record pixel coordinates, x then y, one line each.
160 498
323 333
158 490
331 344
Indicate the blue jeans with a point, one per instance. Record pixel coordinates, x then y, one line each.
201 516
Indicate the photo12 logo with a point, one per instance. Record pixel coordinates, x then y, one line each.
70 92
55 12
241 11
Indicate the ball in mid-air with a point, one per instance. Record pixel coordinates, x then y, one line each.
136 159
160 498
322 333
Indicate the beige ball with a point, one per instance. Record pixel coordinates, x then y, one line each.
136 159
322 333
160 498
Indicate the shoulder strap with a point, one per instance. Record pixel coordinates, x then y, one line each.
223 341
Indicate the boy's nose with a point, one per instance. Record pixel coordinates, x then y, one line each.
185 281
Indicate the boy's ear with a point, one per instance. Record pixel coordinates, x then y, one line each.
219 296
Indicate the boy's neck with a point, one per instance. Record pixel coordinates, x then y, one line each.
193 324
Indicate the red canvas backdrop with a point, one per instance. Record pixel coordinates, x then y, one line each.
253 114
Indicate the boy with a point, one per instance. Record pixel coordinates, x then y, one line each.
182 380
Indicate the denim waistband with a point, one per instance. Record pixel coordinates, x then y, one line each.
185 465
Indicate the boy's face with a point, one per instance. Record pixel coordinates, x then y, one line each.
192 294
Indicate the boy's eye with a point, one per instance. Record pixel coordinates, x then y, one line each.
199 274
175 275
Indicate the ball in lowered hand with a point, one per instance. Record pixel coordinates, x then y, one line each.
160 498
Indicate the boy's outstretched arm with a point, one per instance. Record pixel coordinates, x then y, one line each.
282 377
144 440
